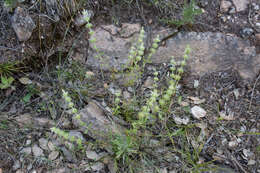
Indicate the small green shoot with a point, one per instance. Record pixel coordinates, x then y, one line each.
6 82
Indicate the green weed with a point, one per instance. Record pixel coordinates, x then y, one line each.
188 14
6 82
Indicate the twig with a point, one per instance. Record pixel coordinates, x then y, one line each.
234 160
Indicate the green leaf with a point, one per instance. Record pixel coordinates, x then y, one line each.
27 97
6 82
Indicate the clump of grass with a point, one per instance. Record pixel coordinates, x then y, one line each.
188 14
8 68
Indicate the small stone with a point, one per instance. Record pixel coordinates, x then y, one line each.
154 143
246 32
148 83
198 112
163 170
89 74
21 171
240 5
95 167
53 155
37 151
22 24
77 135
43 143
251 162
126 95
29 167
59 170
225 5
68 155
92 155
233 144
44 122
25 119
26 150
66 123
236 93
51 146
28 142
179 120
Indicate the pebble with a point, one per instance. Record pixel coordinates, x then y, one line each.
233 144
22 24
43 143
251 162
27 150
240 5
37 151
225 5
198 112
94 156
53 155
246 32
95 167
51 146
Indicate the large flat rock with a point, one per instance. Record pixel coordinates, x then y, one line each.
210 51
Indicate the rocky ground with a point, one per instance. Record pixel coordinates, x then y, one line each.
214 127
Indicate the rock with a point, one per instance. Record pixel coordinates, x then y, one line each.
59 170
179 120
154 143
198 112
163 170
251 162
37 151
211 52
43 143
246 32
22 24
148 83
92 155
53 155
28 142
240 5
77 135
21 171
111 167
66 123
98 166
51 146
98 125
43 122
225 5
114 43
233 144
126 95
26 150
68 155
80 19
24 119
